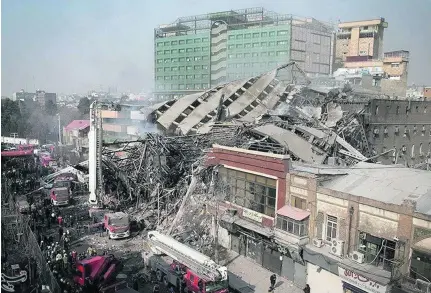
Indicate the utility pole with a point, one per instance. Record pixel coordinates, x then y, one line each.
59 129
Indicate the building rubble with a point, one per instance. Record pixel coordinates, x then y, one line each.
163 180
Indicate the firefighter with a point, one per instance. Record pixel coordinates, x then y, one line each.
60 233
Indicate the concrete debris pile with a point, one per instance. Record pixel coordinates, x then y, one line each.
281 111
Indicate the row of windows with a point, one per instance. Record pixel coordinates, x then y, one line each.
298 228
413 150
257 54
183 50
258 45
407 131
183 59
182 68
197 86
182 42
251 191
179 77
254 64
258 35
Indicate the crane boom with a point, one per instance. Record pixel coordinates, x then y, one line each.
194 260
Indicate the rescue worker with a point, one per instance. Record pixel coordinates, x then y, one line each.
65 262
53 218
60 233
90 251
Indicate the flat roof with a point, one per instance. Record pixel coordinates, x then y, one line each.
389 184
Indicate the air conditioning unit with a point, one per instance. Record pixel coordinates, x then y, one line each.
337 247
317 242
357 257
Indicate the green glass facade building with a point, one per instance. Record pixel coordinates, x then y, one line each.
199 52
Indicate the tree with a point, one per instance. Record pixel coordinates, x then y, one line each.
84 106
11 118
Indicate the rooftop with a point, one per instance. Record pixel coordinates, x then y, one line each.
389 184
77 125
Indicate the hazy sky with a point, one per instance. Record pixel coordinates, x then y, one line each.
69 46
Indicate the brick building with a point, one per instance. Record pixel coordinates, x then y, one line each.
354 229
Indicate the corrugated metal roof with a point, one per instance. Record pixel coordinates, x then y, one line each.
390 184
293 213
77 125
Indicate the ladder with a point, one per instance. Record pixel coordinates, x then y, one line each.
209 269
99 146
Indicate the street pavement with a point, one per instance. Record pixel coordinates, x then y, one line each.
251 277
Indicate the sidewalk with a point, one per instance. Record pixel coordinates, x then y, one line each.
246 276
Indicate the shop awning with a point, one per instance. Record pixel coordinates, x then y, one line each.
293 213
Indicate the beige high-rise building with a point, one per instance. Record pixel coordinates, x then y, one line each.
360 40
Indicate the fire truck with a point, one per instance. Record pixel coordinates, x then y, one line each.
182 267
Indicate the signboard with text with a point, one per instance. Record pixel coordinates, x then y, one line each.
360 281
252 215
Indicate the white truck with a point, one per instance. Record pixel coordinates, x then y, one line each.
182 267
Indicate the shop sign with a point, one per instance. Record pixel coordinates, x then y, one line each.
252 215
360 281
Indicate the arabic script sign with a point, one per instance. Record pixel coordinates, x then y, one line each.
252 215
360 281
7 283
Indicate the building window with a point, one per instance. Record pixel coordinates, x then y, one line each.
298 202
182 42
239 37
272 34
189 41
197 49
281 33
256 35
251 191
197 40
298 228
265 34
331 228
378 251
174 43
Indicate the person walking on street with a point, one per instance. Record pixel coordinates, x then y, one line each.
307 288
272 280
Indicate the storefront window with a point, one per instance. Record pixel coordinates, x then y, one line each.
378 251
251 191
298 228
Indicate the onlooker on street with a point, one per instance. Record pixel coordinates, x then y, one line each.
307 288
272 280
